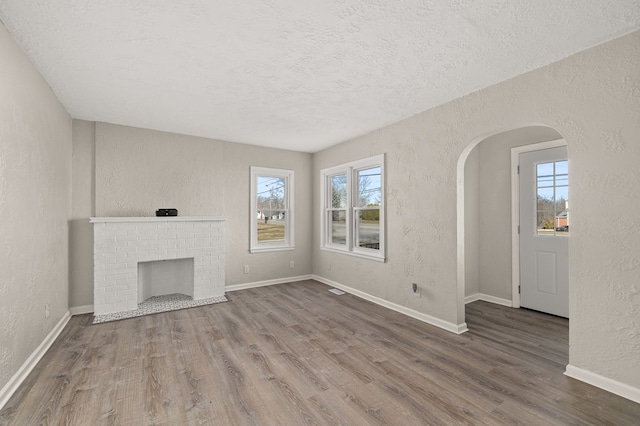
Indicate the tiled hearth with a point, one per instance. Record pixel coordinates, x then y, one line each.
157 304
120 243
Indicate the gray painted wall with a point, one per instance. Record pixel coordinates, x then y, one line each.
238 159
592 99
82 208
35 204
420 166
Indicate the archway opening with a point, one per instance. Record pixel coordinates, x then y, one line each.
484 225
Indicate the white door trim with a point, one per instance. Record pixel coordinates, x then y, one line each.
515 211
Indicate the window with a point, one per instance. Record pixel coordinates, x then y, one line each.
552 182
353 208
271 209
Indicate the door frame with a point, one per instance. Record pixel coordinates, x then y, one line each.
515 211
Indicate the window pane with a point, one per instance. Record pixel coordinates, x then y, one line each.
562 180
369 187
561 220
562 173
338 226
545 223
545 175
562 195
271 193
368 229
271 225
562 223
553 198
545 199
338 191
271 199
351 204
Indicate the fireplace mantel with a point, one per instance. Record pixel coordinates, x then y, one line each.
156 219
121 243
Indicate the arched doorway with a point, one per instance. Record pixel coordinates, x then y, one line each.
484 225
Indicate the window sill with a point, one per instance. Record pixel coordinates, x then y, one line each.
376 258
270 249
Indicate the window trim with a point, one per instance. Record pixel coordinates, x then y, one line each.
289 236
350 169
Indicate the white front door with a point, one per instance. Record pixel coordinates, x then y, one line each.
544 231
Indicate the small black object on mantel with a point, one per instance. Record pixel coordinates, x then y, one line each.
167 212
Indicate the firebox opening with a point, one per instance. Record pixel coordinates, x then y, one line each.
161 277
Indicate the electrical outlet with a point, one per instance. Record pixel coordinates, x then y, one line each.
46 310
291 264
415 289
246 269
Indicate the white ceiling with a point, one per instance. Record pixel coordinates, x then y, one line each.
293 74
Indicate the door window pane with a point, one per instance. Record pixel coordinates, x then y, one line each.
545 175
552 194
545 195
562 173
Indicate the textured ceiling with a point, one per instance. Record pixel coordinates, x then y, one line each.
293 74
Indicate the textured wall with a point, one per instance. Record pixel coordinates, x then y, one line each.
603 85
238 159
35 204
82 208
593 100
420 166
138 170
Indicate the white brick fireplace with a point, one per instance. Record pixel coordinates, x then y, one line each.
121 243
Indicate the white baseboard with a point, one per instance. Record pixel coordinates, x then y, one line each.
488 298
79 310
610 385
445 325
471 298
14 383
255 284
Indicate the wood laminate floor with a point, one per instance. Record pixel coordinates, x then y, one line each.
296 354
